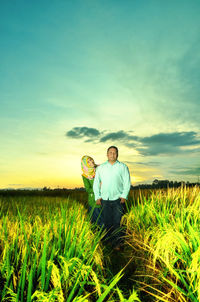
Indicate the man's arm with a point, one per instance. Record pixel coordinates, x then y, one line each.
96 185
126 183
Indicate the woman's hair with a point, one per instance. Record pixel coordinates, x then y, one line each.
114 148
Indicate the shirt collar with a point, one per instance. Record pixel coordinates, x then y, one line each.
114 163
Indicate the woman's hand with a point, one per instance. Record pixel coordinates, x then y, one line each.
98 202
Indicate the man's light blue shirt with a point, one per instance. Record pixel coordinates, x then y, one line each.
112 181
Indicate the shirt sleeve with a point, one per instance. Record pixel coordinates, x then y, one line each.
126 182
96 185
87 185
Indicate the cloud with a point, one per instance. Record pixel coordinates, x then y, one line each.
114 136
193 171
130 145
173 139
120 135
150 163
168 143
157 144
79 132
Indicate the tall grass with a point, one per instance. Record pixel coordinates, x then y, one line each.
50 251
164 229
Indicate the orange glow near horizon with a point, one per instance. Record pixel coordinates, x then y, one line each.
39 182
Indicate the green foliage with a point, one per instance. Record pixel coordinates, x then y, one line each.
49 251
165 232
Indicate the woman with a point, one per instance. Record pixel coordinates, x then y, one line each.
88 167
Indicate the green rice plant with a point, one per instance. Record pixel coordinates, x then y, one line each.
113 282
165 230
49 268
51 296
50 251
43 263
132 298
30 285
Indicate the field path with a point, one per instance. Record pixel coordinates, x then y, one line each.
123 259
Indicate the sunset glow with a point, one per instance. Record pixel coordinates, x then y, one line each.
80 76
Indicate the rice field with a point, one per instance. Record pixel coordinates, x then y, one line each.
50 251
163 231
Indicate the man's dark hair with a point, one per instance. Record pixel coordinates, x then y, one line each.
114 148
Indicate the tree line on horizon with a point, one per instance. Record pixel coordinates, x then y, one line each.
47 191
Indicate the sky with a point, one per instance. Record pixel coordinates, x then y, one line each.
79 76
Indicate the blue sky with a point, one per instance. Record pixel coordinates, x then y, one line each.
79 76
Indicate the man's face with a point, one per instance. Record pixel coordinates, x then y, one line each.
112 155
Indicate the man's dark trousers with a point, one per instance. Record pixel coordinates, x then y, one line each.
112 213
96 216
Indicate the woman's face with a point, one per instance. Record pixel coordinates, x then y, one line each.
90 162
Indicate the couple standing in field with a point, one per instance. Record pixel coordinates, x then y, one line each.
108 186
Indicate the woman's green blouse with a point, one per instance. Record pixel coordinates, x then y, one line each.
88 183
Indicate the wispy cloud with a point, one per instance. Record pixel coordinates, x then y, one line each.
168 143
158 144
150 163
80 132
119 135
192 171
173 139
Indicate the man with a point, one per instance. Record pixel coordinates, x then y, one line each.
111 188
